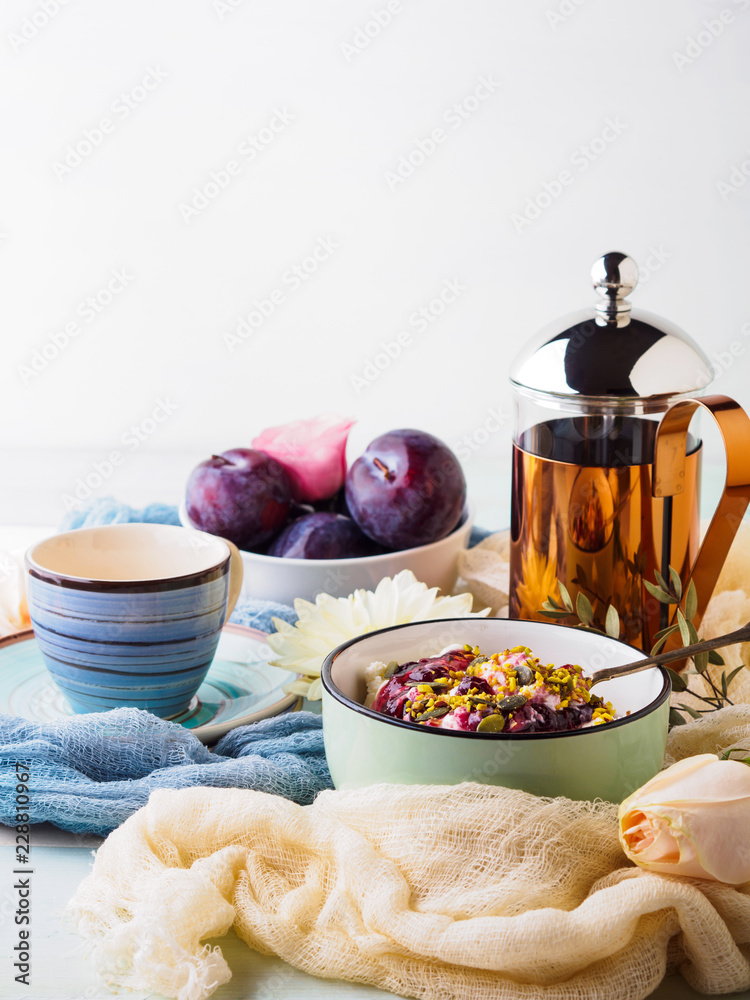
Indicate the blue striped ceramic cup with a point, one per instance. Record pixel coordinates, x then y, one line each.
130 614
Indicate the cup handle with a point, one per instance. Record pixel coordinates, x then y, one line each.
670 451
235 577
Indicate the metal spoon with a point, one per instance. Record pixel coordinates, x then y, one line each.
730 639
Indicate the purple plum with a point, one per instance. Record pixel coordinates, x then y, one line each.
407 489
242 495
322 535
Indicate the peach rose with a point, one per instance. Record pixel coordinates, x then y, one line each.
313 452
692 819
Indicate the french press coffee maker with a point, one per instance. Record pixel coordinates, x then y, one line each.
606 470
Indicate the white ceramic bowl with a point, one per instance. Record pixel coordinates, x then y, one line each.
272 578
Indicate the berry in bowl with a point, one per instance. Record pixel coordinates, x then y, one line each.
420 704
401 505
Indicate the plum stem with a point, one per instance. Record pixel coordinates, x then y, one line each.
220 459
384 469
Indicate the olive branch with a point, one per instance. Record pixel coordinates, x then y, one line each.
687 605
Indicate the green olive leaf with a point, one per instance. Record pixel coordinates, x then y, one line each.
613 622
734 673
684 630
678 681
657 646
658 593
690 711
661 638
583 608
666 632
674 576
701 664
590 628
564 593
691 601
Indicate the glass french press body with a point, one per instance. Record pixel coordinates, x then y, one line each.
606 473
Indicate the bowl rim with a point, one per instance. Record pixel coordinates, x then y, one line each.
336 693
466 522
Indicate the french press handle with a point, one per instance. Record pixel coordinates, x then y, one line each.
670 451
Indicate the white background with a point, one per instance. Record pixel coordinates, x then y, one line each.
557 72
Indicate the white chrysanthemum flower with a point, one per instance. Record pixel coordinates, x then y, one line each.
324 625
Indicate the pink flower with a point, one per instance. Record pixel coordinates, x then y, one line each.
312 452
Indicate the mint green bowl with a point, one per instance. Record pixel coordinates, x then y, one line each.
608 761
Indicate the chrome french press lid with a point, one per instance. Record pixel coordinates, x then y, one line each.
611 356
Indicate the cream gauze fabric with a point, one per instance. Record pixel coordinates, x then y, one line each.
444 893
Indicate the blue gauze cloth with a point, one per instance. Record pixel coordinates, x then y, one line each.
90 772
107 510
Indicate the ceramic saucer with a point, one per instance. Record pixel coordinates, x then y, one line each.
240 687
